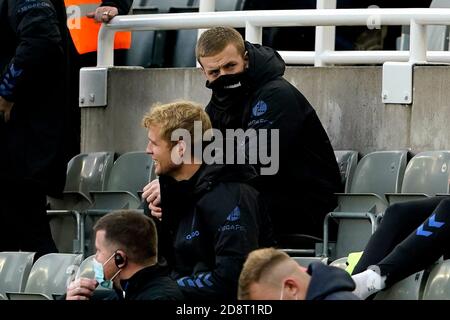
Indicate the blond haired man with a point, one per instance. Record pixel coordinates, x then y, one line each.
212 217
270 274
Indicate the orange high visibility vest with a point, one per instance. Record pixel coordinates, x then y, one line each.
84 31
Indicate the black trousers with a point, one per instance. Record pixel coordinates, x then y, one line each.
411 236
23 218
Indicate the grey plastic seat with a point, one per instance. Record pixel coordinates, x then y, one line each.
86 269
67 230
306 261
437 36
85 172
427 174
130 173
14 270
410 288
50 276
340 263
438 283
377 173
347 161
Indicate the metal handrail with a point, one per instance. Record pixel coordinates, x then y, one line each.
254 21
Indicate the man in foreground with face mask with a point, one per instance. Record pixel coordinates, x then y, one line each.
270 274
126 260
249 92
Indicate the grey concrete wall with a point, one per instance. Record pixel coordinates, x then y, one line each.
347 100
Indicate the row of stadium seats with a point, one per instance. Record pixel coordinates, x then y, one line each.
379 180
48 278
95 185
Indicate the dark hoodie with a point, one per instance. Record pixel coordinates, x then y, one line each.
211 222
301 193
329 283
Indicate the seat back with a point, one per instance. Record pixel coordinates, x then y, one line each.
347 161
340 263
379 172
353 235
67 231
438 283
131 172
51 273
428 172
437 36
14 270
409 288
86 269
88 171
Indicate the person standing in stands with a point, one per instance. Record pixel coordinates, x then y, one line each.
33 105
84 21
270 274
249 92
126 260
212 217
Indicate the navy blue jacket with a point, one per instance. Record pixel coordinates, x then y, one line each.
210 224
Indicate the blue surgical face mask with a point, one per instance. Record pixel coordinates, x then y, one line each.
100 275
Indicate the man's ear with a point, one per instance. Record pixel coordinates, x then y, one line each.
181 145
291 286
246 59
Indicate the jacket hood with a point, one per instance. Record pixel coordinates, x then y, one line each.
209 175
327 280
264 64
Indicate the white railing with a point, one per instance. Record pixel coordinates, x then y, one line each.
254 21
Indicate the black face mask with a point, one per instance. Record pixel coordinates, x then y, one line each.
229 95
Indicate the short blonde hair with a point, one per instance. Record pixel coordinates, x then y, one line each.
258 265
215 40
177 115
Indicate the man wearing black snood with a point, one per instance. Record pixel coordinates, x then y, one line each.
249 92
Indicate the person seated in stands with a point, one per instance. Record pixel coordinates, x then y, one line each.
412 236
126 261
248 92
212 217
270 274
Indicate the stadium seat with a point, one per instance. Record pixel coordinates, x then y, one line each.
427 174
377 173
86 269
347 161
340 263
49 277
14 270
306 261
130 173
438 283
437 36
85 172
410 288
67 230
